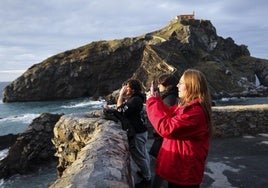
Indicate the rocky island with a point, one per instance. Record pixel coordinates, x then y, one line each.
99 68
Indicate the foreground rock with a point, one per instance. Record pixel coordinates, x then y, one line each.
93 152
32 149
99 68
7 140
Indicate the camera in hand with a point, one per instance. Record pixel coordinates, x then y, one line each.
155 87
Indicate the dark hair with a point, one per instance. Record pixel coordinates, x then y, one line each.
134 84
167 80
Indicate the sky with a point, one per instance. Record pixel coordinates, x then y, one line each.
32 31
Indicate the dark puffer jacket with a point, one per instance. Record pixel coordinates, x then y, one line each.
132 109
170 97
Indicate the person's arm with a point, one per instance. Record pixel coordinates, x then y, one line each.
152 92
120 99
192 123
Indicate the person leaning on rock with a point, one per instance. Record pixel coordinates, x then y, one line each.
130 104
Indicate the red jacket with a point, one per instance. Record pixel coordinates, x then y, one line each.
181 159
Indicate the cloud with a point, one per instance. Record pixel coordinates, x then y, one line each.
32 31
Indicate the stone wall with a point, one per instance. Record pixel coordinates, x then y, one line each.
93 152
230 121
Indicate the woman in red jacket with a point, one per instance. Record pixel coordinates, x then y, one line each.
186 129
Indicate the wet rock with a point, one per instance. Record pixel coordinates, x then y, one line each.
32 148
7 140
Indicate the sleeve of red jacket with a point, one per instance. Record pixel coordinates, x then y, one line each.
171 124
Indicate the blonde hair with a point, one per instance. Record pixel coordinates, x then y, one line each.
197 88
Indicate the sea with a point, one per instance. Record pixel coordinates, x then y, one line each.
16 116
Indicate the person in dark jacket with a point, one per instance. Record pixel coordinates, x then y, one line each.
167 86
130 104
186 128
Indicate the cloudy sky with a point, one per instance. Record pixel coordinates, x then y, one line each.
32 30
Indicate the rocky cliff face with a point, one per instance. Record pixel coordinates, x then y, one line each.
99 68
32 148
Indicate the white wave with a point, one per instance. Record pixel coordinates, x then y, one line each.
249 136
94 104
3 154
1 182
233 99
225 99
264 134
264 142
24 118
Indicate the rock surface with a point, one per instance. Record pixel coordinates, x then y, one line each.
93 152
32 149
7 140
99 68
